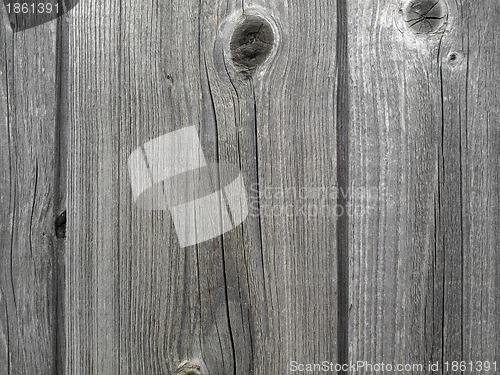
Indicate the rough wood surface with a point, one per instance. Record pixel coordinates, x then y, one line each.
424 157
29 272
368 139
263 294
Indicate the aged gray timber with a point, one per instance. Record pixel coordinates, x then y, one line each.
424 152
368 136
261 295
28 159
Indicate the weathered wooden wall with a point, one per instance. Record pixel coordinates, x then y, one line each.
375 141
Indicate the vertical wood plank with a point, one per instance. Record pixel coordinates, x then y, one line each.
140 293
28 261
479 66
422 287
94 110
285 144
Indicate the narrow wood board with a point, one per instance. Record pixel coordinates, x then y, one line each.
30 287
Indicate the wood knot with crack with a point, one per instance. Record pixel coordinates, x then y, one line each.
425 16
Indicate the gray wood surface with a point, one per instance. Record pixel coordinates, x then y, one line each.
368 141
29 273
262 295
424 148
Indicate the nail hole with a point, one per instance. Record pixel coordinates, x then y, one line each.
425 16
252 42
452 57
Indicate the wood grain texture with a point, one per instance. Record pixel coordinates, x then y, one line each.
370 151
263 294
285 143
424 159
29 282
480 177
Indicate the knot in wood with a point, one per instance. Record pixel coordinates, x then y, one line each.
189 368
252 42
425 16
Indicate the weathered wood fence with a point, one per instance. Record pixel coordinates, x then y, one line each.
368 138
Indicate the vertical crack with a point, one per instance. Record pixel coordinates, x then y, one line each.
60 160
343 184
441 183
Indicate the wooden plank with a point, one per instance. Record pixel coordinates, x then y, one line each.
285 143
93 39
423 250
393 175
479 67
29 275
263 294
